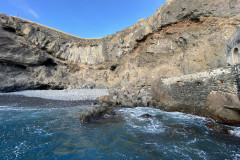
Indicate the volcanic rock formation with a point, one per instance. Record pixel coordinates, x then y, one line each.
183 37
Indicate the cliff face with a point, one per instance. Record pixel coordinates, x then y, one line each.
182 37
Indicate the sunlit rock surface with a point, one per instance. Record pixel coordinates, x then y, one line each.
182 37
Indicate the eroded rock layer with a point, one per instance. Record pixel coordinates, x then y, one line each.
182 37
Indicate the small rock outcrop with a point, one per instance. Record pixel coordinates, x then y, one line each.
224 106
94 113
127 98
220 128
146 115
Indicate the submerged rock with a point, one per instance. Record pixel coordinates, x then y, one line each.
146 116
219 127
95 112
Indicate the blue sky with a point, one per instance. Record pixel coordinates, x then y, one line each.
83 18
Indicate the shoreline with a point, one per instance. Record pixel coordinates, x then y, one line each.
33 102
34 99
104 97
52 98
65 95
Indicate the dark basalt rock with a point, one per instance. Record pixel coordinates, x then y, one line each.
94 113
146 116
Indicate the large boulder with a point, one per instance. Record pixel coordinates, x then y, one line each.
94 113
213 93
224 107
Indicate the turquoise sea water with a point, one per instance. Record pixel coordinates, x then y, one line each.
56 133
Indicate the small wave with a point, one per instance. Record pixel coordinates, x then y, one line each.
185 116
150 127
236 157
42 132
138 111
192 141
235 131
4 106
10 108
146 125
157 122
20 108
19 149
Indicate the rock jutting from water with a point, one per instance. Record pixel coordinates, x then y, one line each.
95 113
219 128
182 58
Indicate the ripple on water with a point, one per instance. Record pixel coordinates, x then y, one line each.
160 120
147 125
179 133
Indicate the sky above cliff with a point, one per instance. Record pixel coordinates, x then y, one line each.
83 18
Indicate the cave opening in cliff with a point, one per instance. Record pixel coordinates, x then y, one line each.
21 66
235 56
9 29
49 63
113 67
43 87
49 87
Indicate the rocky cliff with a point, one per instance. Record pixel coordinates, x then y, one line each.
182 37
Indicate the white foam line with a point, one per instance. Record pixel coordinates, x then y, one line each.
3 106
235 131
